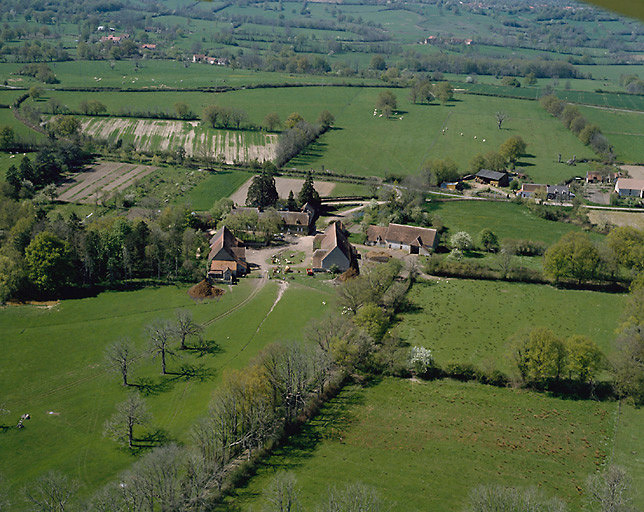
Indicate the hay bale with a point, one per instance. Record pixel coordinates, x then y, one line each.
204 290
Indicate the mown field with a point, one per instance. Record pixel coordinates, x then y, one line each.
624 130
506 220
231 146
424 445
53 362
472 321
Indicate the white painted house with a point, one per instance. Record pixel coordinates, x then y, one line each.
626 187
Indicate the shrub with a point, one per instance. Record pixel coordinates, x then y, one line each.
463 371
421 360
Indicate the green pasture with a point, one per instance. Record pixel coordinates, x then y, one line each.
53 369
471 321
216 186
628 449
362 143
159 74
624 130
506 220
424 445
22 132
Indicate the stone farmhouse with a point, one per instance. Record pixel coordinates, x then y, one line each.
412 239
297 223
227 257
334 250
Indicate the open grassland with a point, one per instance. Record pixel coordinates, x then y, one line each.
425 445
629 451
53 361
624 130
160 74
471 321
146 135
101 180
370 145
506 220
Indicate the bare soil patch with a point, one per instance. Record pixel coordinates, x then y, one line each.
603 217
284 186
104 178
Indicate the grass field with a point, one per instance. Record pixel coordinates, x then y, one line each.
425 445
624 130
400 146
216 186
53 361
22 132
471 321
506 220
160 74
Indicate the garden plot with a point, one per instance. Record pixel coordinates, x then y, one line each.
284 186
104 178
156 135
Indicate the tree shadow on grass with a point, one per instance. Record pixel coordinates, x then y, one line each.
153 387
198 372
205 347
150 440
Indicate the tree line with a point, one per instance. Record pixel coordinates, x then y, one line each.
589 133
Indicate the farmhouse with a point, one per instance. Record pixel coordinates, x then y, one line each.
114 39
600 177
498 179
227 257
149 46
551 192
626 187
413 239
334 250
200 57
530 189
559 192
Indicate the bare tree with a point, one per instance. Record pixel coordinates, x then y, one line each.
355 497
501 117
156 478
610 490
185 327
282 494
120 357
324 330
51 492
129 413
492 498
160 336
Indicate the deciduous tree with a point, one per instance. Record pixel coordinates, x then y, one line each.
129 414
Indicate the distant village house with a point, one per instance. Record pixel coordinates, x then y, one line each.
200 57
414 240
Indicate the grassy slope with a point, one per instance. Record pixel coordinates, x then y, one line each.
624 130
214 187
22 132
61 350
471 321
423 446
507 220
628 452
